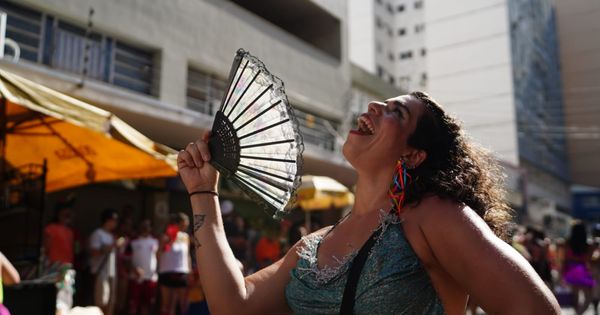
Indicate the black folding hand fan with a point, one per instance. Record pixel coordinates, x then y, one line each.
255 139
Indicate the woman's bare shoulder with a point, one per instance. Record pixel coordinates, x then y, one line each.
433 209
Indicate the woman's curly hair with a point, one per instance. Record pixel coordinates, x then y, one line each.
456 168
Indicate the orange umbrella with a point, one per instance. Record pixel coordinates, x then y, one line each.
81 143
323 193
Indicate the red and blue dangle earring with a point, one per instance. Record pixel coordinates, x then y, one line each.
398 187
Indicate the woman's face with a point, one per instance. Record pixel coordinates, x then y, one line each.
383 132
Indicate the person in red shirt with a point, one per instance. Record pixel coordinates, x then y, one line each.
268 250
59 237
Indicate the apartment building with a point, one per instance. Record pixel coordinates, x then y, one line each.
162 67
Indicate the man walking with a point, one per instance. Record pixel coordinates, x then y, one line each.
103 261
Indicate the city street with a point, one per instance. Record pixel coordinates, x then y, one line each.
462 136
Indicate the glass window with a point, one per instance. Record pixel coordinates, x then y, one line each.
24 26
72 48
204 91
133 68
379 71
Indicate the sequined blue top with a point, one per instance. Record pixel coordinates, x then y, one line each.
393 280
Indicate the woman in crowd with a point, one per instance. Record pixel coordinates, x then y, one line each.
428 209
576 272
174 266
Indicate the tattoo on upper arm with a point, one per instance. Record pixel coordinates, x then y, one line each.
198 222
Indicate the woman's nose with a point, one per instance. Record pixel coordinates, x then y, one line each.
375 107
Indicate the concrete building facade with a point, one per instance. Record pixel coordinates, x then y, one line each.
578 25
162 65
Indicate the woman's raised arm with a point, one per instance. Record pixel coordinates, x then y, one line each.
226 289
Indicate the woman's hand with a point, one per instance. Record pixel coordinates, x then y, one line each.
194 169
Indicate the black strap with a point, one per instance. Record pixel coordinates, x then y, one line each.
356 268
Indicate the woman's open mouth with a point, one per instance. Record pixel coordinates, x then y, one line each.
364 126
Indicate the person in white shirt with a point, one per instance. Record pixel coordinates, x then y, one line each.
174 266
143 278
103 261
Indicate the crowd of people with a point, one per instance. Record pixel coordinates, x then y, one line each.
137 270
131 266
129 269
569 266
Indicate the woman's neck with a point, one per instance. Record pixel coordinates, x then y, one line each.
371 194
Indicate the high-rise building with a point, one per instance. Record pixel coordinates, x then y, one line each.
578 25
387 39
495 65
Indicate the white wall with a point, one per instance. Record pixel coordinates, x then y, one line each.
361 30
470 71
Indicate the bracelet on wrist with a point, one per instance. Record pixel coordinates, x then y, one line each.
199 192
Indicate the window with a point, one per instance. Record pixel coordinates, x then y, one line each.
391 56
401 8
390 32
378 22
72 48
133 68
390 8
24 26
423 79
402 32
204 91
392 80
378 47
418 4
406 55
379 1
423 52
379 71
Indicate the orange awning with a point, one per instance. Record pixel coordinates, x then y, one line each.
81 143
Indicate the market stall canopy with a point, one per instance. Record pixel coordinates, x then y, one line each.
81 143
323 193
